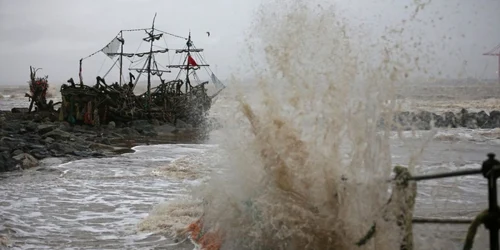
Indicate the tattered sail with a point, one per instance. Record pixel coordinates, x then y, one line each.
112 47
219 86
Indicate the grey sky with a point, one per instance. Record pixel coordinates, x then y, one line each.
54 34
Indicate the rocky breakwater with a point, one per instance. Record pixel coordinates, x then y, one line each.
24 143
425 120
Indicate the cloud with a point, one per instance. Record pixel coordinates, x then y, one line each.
55 33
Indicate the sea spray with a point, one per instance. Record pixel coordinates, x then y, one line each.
305 159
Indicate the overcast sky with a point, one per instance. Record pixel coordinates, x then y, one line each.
55 34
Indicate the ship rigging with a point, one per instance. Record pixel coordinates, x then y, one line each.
183 97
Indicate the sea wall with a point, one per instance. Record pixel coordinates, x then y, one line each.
424 120
25 139
28 139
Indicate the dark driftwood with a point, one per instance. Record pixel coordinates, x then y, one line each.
38 92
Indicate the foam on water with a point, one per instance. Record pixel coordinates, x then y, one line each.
92 203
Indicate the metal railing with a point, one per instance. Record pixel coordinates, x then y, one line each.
490 169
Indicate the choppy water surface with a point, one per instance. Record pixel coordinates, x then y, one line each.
90 204
97 203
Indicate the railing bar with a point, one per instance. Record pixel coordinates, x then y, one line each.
445 175
422 220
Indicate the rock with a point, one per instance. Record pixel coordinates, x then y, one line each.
483 120
438 121
13 143
99 146
57 134
139 123
19 110
494 120
450 120
471 123
181 124
404 119
37 118
60 148
165 129
49 140
45 128
128 131
56 153
147 130
143 127
424 116
31 126
422 125
4 147
7 163
103 140
468 119
462 117
155 122
51 161
98 154
111 125
35 146
26 160
423 120
115 135
11 127
40 153
17 152
65 126
81 153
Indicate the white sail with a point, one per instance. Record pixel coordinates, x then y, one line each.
219 86
112 48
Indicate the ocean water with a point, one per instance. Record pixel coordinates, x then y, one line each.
104 203
92 203
99 203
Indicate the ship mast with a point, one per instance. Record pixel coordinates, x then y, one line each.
122 41
189 63
189 44
150 56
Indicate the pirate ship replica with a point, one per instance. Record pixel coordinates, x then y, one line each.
183 98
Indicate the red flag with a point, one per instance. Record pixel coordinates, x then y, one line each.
192 62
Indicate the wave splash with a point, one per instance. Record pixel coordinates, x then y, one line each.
304 159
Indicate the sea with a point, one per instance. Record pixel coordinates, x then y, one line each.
102 203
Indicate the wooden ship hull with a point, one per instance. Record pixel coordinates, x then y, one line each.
170 101
100 104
